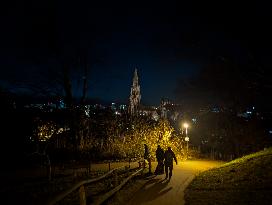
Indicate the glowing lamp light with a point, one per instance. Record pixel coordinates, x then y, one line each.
187 139
185 125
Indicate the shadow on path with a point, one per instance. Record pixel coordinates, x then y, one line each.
153 189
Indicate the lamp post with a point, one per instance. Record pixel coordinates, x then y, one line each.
186 125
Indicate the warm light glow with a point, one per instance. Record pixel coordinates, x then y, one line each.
185 125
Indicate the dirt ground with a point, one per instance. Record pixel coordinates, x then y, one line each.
27 186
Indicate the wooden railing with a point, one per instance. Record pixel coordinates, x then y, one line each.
117 188
81 186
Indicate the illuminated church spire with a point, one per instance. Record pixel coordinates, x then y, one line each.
135 95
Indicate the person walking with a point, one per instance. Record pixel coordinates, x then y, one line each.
147 158
169 156
160 158
146 152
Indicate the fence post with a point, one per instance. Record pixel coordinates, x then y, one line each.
115 178
149 165
109 166
48 168
82 195
49 172
90 167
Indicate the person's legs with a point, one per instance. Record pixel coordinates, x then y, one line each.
157 170
161 167
166 171
170 171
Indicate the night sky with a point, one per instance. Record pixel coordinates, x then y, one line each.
166 43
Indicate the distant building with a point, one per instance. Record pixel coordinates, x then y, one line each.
149 111
113 106
118 109
165 102
169 110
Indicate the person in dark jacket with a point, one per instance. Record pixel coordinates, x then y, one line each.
169 156
147 157
160 158
146 152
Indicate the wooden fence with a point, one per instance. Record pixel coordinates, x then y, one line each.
81 187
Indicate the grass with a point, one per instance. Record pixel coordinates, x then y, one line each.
247 180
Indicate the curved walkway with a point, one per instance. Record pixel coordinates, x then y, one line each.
158 191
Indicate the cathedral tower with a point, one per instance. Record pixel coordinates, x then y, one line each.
135 95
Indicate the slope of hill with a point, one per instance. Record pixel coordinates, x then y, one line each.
247 180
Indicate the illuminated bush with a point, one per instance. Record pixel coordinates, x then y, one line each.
142 131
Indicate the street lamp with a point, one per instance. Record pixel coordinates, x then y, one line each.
186 125
187 140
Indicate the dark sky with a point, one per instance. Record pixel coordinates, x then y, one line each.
167 43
